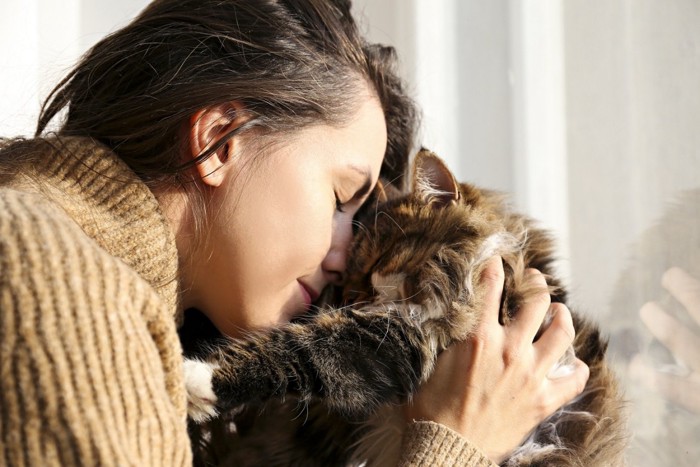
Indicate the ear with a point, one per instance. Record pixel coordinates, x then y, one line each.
432 180
208 128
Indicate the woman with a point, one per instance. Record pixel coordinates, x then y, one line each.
212 156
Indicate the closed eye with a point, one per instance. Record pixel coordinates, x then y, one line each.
339 205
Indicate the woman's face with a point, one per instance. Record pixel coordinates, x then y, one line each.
280 230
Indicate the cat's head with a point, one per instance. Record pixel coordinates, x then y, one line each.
418 248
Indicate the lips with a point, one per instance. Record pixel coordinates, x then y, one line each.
309 294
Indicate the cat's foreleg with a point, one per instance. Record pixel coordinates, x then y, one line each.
351 360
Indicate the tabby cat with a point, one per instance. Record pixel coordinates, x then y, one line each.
412 289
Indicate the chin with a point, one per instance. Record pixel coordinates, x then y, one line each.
290 313
286 317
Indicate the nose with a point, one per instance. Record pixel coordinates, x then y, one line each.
335 262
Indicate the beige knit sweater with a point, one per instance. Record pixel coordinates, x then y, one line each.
90 361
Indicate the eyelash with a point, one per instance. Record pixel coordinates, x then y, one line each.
339 206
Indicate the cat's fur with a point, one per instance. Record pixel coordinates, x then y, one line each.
413 285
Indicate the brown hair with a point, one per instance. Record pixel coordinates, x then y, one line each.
291 63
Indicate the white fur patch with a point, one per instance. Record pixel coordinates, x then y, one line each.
497 244
412 313
390 291
201 400
434 309
548 430
528 452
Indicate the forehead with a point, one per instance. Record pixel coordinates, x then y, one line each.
355 147
358 143
362 140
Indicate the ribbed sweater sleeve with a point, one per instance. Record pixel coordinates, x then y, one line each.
86 370
428 443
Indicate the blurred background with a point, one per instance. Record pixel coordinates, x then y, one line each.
586 111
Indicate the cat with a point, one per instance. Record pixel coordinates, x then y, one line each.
412 289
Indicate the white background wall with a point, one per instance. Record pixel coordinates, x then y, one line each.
39 41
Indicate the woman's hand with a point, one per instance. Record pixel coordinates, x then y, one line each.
681 389
493 389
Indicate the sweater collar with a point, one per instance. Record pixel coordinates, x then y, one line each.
115 208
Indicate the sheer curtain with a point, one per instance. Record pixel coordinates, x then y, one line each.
587 111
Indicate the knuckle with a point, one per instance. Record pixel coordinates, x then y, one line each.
544 407
479 340
538 296
583 379
530 273
493 272
537 290
511 355
580 386
562 321
543 298
537 301
530 380
535 277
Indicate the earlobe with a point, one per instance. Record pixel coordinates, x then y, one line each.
210 131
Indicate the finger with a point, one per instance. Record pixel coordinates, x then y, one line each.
528 319
556 339
670 332
680 390
560 391
685 289
493 278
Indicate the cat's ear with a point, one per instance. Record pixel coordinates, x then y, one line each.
432 180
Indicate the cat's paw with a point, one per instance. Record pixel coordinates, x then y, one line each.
201 400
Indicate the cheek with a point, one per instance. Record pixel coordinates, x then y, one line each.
302 210
310 233
282 230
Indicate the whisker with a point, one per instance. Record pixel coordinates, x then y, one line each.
394 221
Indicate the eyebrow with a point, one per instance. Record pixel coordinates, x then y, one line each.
367 185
